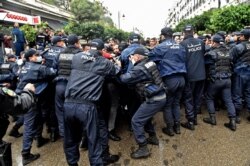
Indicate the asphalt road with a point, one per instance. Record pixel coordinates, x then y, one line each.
206 146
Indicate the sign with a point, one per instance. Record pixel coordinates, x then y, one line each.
11 16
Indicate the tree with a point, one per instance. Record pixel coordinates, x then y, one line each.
86 11
230 18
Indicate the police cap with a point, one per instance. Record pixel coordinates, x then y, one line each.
56 39
217 38
97 44
134 37
140 51
188 28
30 53
167 31
245 32
73 39
9 56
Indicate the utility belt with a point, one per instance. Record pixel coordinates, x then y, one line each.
213 79
81 101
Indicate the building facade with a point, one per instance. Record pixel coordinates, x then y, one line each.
20 9
185 9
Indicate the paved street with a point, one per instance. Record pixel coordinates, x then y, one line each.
206 146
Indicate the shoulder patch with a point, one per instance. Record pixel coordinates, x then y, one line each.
8 92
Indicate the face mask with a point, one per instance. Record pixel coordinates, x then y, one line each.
39 59
19 62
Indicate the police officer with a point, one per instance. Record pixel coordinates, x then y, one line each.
150 87
83 91
51 60
8 72
128 92
196 75
11 103
218 65
241 78
41 40
34 72
171 60
64 69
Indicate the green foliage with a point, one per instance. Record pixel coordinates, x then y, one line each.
5 30
30 32
91 30
86 11
230 18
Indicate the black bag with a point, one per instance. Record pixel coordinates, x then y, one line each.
5 154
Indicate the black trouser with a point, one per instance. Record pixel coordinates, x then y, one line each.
4 123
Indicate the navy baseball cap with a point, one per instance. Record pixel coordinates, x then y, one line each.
188 28
30 53
245 32
56 39
73 39
140 51
167 31
217 38
9 56
134 37
97 44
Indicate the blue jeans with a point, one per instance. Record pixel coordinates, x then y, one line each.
175 85
223 87
79 117
141 117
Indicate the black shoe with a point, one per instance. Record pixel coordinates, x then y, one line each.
210 120
109 159
177 128
231 125
248 118
141 152
40 141
168 130
28 158
237 120
113 136
188 125
73 164
153 140
14 133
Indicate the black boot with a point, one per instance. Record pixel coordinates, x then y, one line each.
113 136
108 158
40 141
14 133
168 130
177 128
141 152
231 125
237 119
153 140
188 125
210 120
28 158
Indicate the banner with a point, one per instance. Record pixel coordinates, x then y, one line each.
11 16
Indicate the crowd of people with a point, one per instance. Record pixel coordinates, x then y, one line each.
81 89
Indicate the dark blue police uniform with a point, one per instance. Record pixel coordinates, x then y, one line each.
83 90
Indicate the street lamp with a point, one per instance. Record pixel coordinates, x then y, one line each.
119 19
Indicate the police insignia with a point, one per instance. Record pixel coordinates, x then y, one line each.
8 92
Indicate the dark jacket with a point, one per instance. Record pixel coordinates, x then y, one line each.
170 58
87 77
195 58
